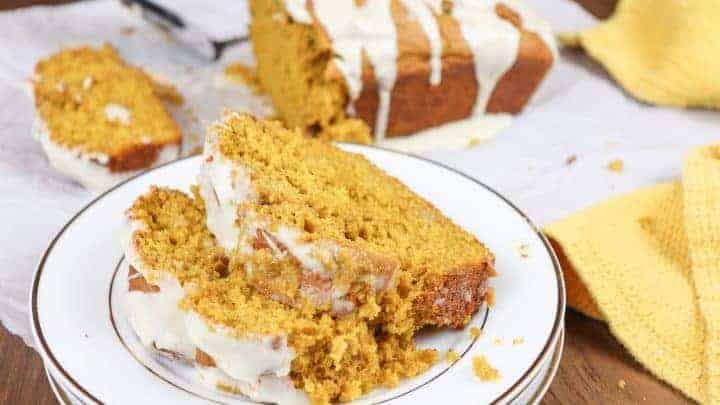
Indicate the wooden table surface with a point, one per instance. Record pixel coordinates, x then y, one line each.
592 366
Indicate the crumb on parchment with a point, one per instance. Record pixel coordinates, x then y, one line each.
616 166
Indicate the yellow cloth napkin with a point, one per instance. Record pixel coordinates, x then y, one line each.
663 52
649 264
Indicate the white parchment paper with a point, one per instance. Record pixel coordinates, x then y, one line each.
578 113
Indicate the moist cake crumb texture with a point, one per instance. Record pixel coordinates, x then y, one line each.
175 238
92 101
307 97
332 195
336 359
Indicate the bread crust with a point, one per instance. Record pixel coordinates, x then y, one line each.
450 299
140 156
416 104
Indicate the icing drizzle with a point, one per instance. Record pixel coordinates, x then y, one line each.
369 28
354 29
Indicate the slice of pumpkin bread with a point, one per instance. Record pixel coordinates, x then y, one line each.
187 301
315 224
101 120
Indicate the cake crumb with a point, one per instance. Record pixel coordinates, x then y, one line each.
128 30
518 341
452 356
474 141
490 297
497 341
616 166
483 370
475 332
570 160
244 74
523 250
621 384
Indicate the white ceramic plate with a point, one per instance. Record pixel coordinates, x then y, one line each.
533 394
80 329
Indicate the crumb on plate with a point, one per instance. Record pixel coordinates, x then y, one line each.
483 370
452 356
523 250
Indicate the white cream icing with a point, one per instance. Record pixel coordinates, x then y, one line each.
354 29
422 11
118 113
298 11
245 358
155 316
493 41
452 135
268 388
256 366
532 22
224 186
89 169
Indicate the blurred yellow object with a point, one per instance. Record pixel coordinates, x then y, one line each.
648 263
664 52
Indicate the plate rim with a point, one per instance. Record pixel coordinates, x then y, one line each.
509 394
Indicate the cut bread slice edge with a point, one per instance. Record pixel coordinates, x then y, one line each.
256 366
227 190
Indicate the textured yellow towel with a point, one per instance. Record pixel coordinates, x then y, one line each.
701 185
649 264
663 52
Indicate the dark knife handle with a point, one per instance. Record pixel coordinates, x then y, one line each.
157 11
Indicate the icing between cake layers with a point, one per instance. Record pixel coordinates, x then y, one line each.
256 366
89 169
224 186
369 28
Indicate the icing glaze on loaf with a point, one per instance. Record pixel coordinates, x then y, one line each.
493 42
367 27
422 11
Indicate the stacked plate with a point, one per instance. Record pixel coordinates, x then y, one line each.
92 356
